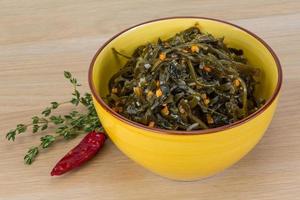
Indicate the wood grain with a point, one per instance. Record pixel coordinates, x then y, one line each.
40 39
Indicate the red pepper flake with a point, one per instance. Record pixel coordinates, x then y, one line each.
162 56
203 96
165 111
151 124
118 109
206 101
181 109
158 93
207 68
236 83
157 84
137 91
166 44
114 90
184 51
210 120
195 48
84 151
150 94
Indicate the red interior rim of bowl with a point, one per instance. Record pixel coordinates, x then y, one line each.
195 132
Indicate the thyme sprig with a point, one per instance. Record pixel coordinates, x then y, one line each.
63 126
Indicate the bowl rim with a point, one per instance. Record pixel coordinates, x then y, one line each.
181 132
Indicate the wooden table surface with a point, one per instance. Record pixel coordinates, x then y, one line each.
40 39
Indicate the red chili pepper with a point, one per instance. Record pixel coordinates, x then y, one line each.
83 152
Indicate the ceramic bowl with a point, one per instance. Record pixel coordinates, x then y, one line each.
185 155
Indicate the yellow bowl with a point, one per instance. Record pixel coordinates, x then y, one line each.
185 155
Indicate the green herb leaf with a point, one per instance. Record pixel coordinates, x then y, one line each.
54 105
73 81
75 101
44 127
46 112
47 141
21 128
56 119
77 94
35 128
68 117
83 101
11 135
31 155
67 74
35 120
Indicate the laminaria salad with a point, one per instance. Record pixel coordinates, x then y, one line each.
190 81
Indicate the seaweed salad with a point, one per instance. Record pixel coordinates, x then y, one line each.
190 81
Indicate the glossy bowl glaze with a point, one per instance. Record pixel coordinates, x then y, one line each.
185 155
